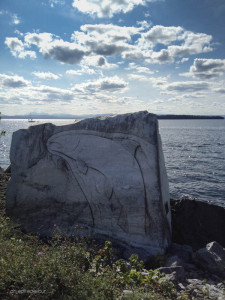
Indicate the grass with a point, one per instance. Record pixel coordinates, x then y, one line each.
65 268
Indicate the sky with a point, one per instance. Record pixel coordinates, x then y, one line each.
112 56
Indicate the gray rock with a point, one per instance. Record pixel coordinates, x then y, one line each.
196 223
105 176
174 261
180 287
178 272
211 258
215 292
172 277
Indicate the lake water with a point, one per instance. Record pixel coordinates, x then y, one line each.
194 153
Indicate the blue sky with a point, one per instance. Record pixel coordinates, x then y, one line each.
112 56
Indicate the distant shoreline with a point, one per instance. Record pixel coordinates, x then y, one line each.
188 117
159 117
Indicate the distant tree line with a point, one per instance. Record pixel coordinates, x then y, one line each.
187 117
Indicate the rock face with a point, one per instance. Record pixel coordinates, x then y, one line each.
197 223
105 175
212 258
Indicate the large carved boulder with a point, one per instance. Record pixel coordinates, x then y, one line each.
104 176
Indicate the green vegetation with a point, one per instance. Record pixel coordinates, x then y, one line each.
61 268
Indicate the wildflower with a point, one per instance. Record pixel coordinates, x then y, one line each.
40 253
83 268
35 265
54 225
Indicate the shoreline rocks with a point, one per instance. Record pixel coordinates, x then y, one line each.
198 275
196 223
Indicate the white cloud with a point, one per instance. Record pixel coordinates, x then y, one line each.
194 43
53 94
190 43
105 40
134 67
106 8
159 82
108 84
13 81
46 75
96 42
184 59
64 52
161 35
187 86
220 90
97 61
15 19
110 32
16 47
206 68
83 71
138 77
181 87
53 3
74 72
38 39
18 32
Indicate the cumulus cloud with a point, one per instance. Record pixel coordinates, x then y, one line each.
110 84
94 43
83 71
206 68
46 75
220 90
13 81
53 94
17 49
187 86
52 47
139 69
159 82
110 32
194 43
190 43
106 8
38 39
106 40
161 35
196 87
138 77
64 52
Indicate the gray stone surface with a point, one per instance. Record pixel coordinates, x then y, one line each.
105 175
177 272
174 261
212 258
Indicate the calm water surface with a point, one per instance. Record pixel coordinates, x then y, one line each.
194 153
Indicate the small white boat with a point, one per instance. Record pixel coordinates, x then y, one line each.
30 120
